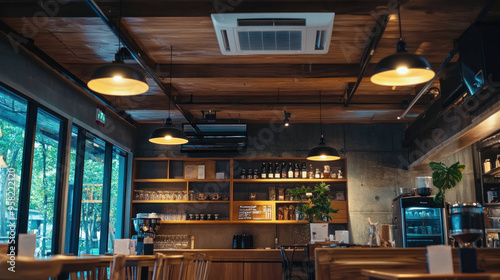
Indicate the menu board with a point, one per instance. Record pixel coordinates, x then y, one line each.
255 212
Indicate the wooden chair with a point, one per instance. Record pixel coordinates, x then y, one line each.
118 271
182 267
29 268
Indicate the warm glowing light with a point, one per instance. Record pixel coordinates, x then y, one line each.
323 156
287 124
402 70
168 137
117 78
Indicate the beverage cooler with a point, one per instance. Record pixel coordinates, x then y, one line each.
418 222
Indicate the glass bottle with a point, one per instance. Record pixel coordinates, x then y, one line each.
311 171
243 173
284 170
290 171
277 170
304 171
263 171
317 175
296 173
270 170
256 173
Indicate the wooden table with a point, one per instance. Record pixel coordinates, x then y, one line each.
405 274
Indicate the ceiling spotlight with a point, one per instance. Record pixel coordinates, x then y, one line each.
286 121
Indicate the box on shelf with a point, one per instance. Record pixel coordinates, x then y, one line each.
194 170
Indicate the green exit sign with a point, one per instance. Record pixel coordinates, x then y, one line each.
101 116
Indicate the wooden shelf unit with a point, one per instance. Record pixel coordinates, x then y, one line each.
167 174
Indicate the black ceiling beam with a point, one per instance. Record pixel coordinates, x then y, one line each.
144 60
184 8
369 51
28 45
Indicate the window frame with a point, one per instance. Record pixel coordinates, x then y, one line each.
27 168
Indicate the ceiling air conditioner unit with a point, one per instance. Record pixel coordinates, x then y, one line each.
273 33
228 138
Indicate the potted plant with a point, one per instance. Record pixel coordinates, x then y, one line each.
444 177
316 208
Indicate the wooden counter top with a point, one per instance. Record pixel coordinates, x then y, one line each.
238 255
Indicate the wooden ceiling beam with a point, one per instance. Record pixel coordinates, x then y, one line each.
340 70
159 102
180 8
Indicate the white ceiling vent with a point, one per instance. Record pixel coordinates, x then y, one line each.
276 33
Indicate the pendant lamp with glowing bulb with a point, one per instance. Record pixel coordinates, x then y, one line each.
402 68
322 152
118 79
168 134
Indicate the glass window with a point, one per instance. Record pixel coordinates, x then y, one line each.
45 172
71 187
92 191
118 176
12 132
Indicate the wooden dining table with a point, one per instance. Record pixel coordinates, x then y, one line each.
63 265
418 274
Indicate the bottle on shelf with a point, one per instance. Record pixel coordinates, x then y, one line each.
284 170
263 171
243 173
277 170
290 171
317 175
256 173
311 172
304 171
497 162
270 170
296 171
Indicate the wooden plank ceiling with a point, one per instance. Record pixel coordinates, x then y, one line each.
246 88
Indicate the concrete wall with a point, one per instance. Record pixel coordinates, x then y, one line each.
36 80
376 163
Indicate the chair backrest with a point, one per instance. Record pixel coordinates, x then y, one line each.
188 266
118 271
29 269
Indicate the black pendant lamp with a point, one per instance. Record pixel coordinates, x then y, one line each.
402 68
322 152
118 78
168 134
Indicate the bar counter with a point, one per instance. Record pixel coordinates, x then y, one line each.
243 264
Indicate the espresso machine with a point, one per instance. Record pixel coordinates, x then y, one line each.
146 226
467 227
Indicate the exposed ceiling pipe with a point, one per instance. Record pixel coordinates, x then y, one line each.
429 83
368 53
141 60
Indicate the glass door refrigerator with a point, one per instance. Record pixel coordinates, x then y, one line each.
418 222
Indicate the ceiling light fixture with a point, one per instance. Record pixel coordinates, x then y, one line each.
402 68
322 152
117 78
168 134
286 121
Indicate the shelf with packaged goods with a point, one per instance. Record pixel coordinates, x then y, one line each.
169 174
197 222
249 181
492 172
180 180
180 201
